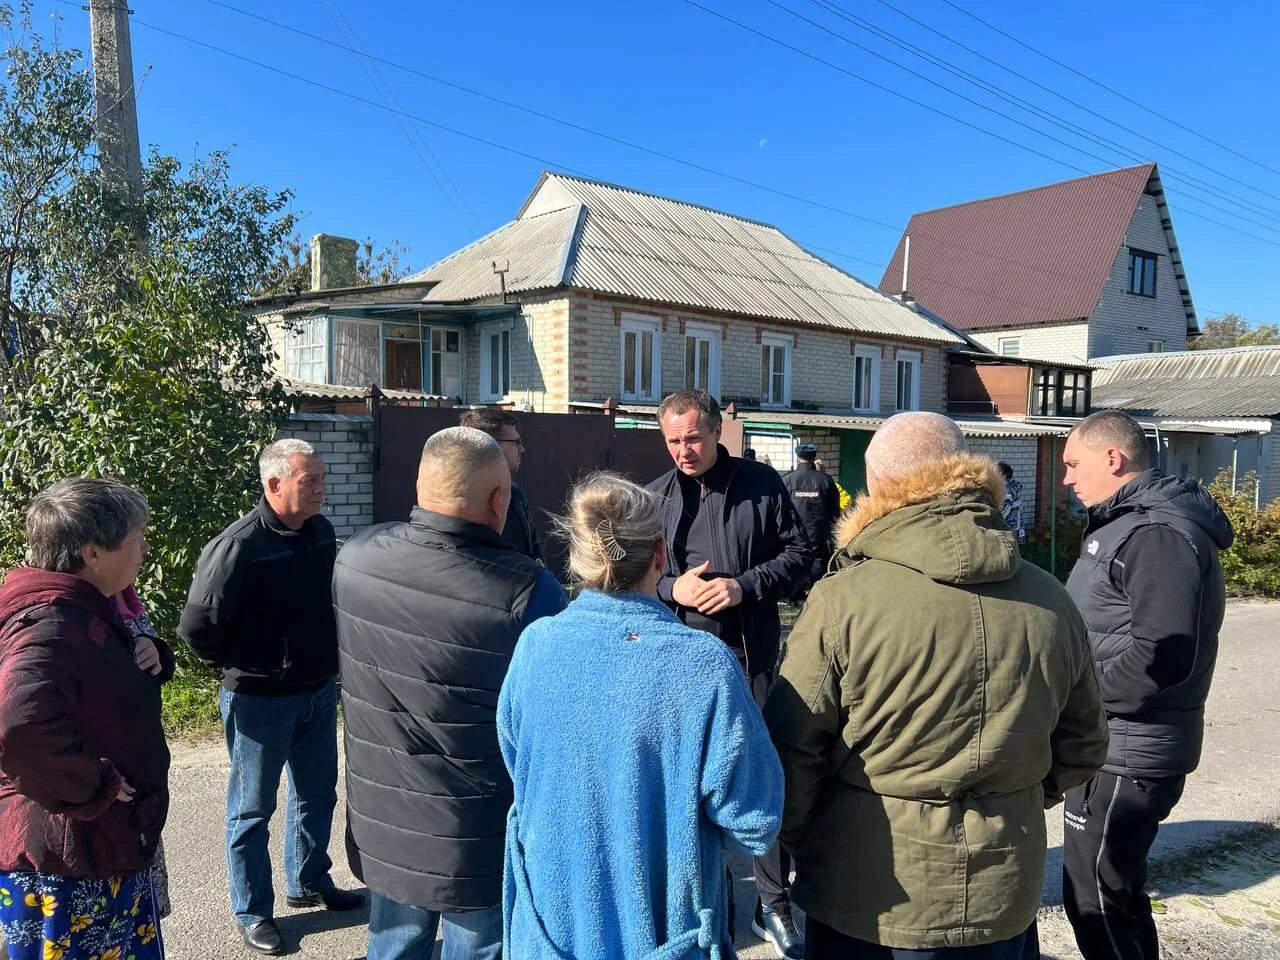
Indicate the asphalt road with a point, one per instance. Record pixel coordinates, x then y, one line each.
1234 790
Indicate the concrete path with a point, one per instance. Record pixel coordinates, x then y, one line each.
1237 787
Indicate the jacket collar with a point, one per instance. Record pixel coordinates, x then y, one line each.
30 587
273 522
624 602
457 529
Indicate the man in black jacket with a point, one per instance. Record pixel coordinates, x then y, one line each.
1150 587
259 610
429 611
735 548
519 529
817 505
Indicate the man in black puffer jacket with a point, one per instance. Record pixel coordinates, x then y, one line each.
428 614
1150 587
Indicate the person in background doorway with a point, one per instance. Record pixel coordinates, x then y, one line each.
1150 587
519 529
1011 507
817 504
638 757
735 549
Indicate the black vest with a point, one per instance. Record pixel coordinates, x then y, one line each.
1164 739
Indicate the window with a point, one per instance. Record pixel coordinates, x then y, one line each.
775 370
866 379
1061 393
908 392
495 362
1010 346
306 350
702 358
355 352
1142 273
446 362
641 359
1155 346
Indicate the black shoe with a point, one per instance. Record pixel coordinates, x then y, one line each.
777 927
263 936
332 899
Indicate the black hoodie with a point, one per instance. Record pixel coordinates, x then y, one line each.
1150 587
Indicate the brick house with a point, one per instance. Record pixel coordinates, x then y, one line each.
1066 272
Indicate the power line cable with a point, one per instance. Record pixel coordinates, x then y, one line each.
973 126
1056 119
1099 83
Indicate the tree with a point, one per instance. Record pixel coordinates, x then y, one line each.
291 271
1232 330
122 361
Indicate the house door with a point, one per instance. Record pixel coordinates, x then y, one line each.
853 466
404 364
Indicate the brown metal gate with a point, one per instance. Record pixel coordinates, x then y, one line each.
560 448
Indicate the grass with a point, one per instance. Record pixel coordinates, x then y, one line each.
190 704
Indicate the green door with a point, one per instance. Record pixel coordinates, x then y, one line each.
853 467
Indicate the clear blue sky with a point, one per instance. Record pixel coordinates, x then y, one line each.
680 81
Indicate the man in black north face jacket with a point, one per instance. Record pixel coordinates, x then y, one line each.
1150 588
428 614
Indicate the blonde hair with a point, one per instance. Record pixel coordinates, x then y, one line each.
613 529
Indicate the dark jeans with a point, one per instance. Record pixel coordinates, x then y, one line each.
823 943
1109 825
266 735
401 932
773 870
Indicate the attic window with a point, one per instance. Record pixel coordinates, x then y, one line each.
1142 273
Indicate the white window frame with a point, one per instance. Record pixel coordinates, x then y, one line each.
709 333
429 369
490 391
784 342
1155 346
310 338
639 324
1005 343
873 354
911 357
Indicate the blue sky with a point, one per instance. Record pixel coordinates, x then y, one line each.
680 81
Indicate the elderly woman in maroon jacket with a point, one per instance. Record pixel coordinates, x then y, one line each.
83 760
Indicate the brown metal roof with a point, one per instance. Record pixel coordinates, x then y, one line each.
1023 259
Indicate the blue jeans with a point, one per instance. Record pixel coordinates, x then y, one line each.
266 735
400 932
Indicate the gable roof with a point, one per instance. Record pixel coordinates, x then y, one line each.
595 236
1235 382
1030 258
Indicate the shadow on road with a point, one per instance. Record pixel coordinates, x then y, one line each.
296 927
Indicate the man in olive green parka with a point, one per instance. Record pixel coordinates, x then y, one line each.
935 697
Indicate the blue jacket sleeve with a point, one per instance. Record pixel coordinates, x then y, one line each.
547 598
741 776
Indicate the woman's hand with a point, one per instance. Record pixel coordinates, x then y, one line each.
125 793
146 656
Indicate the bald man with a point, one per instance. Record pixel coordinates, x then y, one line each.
428 614
935 696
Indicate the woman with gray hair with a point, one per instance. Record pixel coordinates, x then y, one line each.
637 755
83 761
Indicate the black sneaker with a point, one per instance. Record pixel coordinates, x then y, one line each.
777 927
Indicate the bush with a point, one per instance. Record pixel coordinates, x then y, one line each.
1039 546
1251 565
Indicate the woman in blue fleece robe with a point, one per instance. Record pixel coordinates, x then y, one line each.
637 755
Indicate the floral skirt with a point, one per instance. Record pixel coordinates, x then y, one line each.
46 917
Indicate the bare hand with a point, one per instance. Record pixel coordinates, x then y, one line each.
688 584
126 792
146 656
716 595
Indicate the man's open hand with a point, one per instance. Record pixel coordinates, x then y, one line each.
685 589
716 595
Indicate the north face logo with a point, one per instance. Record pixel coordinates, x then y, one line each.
1093 548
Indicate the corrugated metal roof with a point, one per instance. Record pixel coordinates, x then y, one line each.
1030 258
335 391
599 237
1239 382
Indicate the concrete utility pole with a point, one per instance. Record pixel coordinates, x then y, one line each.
116 123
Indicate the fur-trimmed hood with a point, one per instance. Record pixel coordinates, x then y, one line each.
943 520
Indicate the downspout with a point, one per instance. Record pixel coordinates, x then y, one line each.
1053 506
1235 453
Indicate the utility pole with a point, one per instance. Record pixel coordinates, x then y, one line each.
116 120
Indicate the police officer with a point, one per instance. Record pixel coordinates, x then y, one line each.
817 502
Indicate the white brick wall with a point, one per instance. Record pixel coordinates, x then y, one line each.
1020 454
1061 343
346 444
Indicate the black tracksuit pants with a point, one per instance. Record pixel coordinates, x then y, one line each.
1109 826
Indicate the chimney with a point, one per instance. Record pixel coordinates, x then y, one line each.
333 262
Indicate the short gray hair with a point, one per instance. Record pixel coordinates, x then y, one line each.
276 459
78 511
1115 428
907 442
454 457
